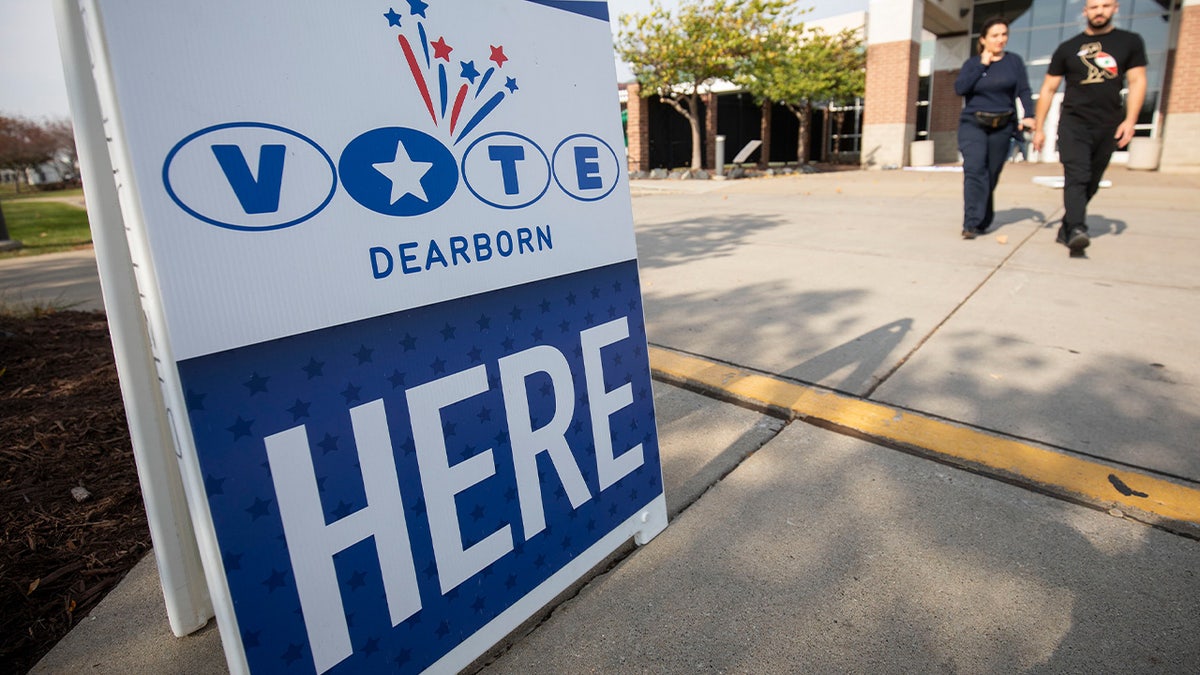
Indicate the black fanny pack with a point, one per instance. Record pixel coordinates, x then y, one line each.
993 120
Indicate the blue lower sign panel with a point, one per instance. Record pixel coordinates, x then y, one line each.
383 490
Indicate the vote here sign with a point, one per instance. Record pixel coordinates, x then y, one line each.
387 256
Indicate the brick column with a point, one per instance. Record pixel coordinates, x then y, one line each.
1181 106
638 128
893 53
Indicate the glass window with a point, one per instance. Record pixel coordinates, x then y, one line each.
1046 12
1018 42
1036 75
1042 42
1153 29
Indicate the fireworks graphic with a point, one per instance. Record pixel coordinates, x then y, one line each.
450 98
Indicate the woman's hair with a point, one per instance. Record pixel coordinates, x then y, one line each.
987 25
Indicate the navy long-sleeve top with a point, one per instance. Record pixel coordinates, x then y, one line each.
994 87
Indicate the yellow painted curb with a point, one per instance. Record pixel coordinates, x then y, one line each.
1089 481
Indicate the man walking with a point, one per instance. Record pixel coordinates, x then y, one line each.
1094 122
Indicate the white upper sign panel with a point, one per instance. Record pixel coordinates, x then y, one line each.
370 158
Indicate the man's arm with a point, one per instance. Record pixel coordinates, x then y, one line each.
1133 104
1045 98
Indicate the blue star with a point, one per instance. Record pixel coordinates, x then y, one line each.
478 513
510 83
371 647
392 17
409 447
479 604
443 630
328 444
547 389
292 654
448 332
343 509
276 580
476 355
259 509
299 409
195 401
595 293
545 306
565 326
617 286
357 580
397 379
512 581
485 414
313 368
350 393
438 366
240 428
537 334
468 71
431 570
571 299
363 354
409 342
256 383
484 322
402 658
250 638
589 318
418 7
515 313
214 486
233 561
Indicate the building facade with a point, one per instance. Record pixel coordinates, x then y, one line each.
897 28
915 49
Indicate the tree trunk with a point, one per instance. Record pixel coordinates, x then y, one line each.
804 135
838 119
3 226
764 134
693 102
692 114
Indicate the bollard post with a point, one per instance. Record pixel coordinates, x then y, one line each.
720 168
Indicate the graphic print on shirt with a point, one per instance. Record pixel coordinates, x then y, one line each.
1100 64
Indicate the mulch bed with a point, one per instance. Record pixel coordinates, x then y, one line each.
62 426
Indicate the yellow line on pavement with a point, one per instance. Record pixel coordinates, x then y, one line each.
1092 482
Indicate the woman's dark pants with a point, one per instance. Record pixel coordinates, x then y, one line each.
983 152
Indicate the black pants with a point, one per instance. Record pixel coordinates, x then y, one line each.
1084 152
984 152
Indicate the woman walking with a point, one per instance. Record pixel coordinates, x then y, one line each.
990 83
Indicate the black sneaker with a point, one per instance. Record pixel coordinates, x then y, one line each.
1062 237
1078 240
968 234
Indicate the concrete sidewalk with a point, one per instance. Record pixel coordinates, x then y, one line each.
797 549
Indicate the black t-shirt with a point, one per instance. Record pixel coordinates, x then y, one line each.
1094 68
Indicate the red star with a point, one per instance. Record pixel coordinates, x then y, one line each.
441 50
498 56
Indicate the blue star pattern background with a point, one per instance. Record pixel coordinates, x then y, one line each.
239 397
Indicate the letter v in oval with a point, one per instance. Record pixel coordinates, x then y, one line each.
392 289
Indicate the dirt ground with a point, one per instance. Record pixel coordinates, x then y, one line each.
62 427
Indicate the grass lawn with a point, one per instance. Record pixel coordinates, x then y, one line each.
45 227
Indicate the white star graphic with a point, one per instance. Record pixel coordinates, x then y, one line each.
405 174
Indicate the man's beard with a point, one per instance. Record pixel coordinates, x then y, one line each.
1100 22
